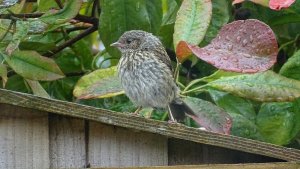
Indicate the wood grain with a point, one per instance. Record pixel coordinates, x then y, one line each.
138 123
24 141
67 142
111 146
225 166
182 152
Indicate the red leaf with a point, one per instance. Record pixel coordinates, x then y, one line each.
279 4
242 46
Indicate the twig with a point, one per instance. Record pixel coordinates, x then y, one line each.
71 41
8 29
24 15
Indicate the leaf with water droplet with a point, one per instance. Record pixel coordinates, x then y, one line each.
265 86
279 122
101 83
209 116
234 45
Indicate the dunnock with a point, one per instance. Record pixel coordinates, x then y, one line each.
146 74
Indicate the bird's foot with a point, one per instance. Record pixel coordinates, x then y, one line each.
172 122
137 111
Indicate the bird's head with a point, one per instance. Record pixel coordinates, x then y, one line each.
136 40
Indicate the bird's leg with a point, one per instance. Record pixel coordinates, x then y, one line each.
137 111
172 119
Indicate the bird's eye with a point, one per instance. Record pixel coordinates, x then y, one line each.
129 40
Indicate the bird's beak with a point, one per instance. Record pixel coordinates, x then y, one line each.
116 44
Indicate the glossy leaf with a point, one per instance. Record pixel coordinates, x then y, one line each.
118 16
33 66
101 83
233 104
37 88
221 11
242 112
69 11
192 21
209 115
218 74
242 46
3 74
291 68
266 86
279 122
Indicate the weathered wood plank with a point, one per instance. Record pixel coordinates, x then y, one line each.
139 123
110 146
67 142
226 166
182 152
24 141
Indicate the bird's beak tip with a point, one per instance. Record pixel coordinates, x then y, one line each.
116 44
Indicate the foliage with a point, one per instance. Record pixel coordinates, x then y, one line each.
52 48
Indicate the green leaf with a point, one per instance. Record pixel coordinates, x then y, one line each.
42 46
244 127
279 122
62 89
170 16
22 30
192 21
33 66
118 16
45 5
84 53
37 88
3 74
266 86
68 62
16 83
101 83
209 115
69 11
242 112
219 74
221 11
291 68
233 104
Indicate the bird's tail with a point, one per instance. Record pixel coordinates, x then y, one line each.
178 109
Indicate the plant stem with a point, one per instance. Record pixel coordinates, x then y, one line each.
192 83
200 88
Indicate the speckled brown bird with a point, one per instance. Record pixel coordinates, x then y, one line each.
146 74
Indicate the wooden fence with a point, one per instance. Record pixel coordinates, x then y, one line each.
44 133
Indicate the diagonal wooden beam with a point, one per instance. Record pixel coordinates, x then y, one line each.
148 125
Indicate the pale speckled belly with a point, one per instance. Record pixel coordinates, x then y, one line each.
148 84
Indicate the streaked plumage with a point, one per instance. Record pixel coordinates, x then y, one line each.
146 74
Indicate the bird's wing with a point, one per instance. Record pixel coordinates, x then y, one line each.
164 57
